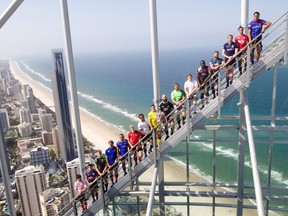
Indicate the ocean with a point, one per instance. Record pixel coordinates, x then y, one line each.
116 87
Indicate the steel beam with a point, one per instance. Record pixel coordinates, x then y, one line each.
154 52
3 157
152 192
241 157
72 83
253 158
9 12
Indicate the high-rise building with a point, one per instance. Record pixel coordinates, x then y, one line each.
3 84
54 200
31 100
73 168
17 89
4 119
40 155
61 102
46 122
55 139
24 90
25 115
10 90
47 138
42 111
30 182
25 129
24 103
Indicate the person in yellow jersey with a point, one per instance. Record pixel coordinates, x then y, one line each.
153 117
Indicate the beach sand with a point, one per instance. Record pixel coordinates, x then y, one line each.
99 133
96 131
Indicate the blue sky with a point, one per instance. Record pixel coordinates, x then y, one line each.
117 26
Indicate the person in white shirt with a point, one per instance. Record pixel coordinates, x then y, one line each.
190 87
79 188
143 128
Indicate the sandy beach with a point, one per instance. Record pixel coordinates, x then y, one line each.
99 133
95 130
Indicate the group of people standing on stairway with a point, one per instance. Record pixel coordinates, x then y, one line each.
205 75
233 52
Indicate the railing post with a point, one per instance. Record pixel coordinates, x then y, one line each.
130 170
102 193
248 67
188 117
219 94
154 146
286 42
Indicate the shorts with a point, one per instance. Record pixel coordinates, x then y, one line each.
231 63
257 40
193 97
202 87
180 108
81 197
94 185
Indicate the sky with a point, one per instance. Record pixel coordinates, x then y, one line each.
123 26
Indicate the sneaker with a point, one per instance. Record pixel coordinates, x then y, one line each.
112 184
214 96
226 86
125 173
202 107
194 112
166 137
179 127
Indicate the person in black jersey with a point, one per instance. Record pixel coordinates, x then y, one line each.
101 167
166 107
203 75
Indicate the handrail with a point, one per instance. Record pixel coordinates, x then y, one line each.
216 73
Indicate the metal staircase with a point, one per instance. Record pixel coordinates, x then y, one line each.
274 52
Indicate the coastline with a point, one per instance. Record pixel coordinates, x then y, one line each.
99 133
96 131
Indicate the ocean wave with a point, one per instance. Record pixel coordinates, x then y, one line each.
119 127
27 67
29 77
109 106
231 153
228 152
194 169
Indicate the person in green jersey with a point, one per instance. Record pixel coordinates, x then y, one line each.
178 97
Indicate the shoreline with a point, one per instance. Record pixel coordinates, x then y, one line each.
94 130
98 132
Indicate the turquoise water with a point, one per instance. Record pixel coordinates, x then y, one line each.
117 87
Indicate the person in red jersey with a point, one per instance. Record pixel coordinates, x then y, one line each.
133 138
241 40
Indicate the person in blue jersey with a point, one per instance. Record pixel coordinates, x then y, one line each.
203 76
111 160
255 28
122 148
216 64
230 49
91 176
